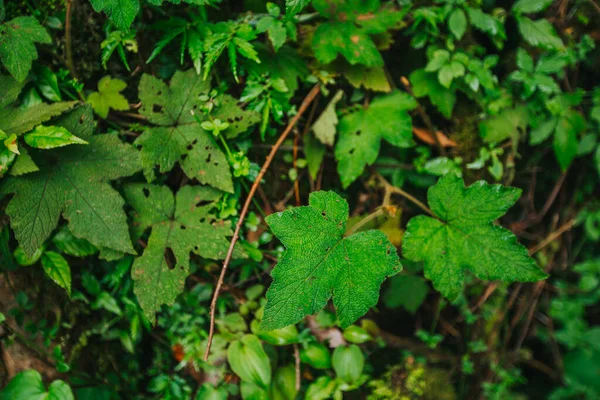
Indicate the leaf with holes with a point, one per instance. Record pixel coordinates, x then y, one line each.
350 28
361 132
17 44
73 181
181 224
177 137
462 236
320 263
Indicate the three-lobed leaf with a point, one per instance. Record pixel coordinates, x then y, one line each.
181 225
320 263
361 132
108 96
177 137
462 236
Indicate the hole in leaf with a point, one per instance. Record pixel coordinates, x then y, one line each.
182 227
208 158
351 151
157 108
170 258
146 192
202 203
323 213
358 132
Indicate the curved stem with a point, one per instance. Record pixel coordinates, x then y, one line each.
213 304
389 188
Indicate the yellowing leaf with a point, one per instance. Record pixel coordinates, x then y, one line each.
324 126
108 96
50 137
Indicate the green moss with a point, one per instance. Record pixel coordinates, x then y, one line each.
413 380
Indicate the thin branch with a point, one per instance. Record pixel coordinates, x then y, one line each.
393 189
213 305
553 236
298 369
380 211
68 39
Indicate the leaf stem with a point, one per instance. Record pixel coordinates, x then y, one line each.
380 211
389 188
236 234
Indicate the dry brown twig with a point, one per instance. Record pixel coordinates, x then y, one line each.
213 304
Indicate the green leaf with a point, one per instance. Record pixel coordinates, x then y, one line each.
28 385
427 84
181 225
108 96
348 363
17 44
524 60
565 141
22 259
16 120
361 132
249 361
462 236
324 126
316 355
356 334
509 124
51 137
120 12
321 263
67 243
321 389
458 23
24 164
314 152
359 76
407 291
73 181
348 32
348 40
177 136
531 6
57 269
293 7
540 33
283 386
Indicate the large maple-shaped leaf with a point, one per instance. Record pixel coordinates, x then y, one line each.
181 225
463 236
73 182
348 32
319 262
178 137
121 12
360 133
17 44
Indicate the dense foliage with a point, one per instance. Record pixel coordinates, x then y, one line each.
432 168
